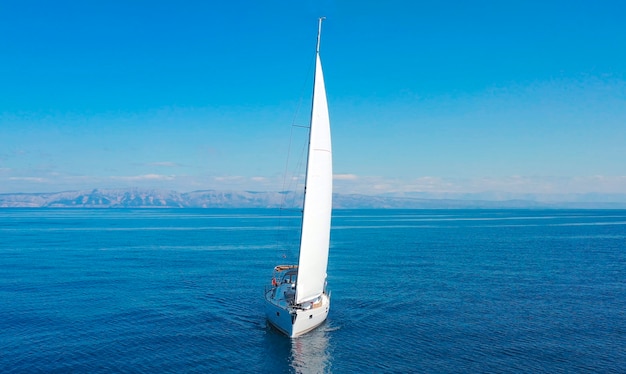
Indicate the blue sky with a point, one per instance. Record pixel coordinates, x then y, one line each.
439 97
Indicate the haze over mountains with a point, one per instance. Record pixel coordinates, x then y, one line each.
146 198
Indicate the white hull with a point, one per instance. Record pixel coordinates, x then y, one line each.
281 316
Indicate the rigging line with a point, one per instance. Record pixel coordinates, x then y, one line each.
296 179
293 124
293 200
282 200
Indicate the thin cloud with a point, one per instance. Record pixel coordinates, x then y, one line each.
29 179
232 178
167 164
144 177
344 177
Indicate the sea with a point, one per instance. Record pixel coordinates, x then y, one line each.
413 291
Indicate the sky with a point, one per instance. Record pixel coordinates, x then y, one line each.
437 98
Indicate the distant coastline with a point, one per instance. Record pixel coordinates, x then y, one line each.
147 198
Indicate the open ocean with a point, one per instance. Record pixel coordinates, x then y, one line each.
435 291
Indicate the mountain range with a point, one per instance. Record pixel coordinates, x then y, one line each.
145 198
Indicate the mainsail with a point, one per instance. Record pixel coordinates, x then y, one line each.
315 237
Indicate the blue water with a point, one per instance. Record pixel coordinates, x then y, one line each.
412 291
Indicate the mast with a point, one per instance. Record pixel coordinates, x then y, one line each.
308 154
319 33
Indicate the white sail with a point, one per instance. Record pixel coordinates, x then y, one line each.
315 237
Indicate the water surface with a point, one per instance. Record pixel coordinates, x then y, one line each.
412 291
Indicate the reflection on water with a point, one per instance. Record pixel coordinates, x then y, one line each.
310 353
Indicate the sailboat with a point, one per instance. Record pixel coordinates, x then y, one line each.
297 300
